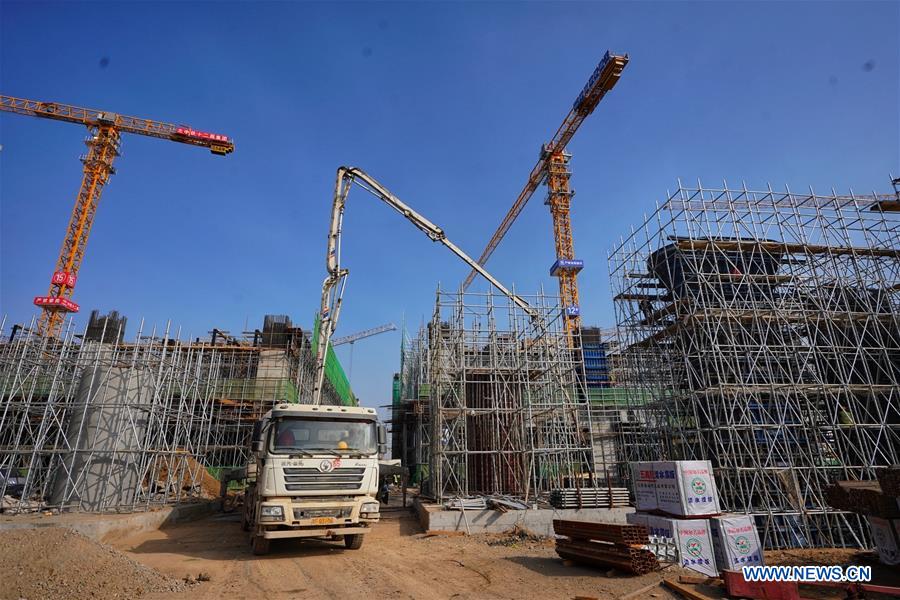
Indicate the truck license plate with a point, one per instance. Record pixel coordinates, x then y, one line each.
323 520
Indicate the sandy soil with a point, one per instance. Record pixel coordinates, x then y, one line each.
61 564
396 561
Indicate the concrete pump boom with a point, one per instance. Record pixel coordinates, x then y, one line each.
333 286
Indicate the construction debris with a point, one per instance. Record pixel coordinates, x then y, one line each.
605 545
479 503
684 591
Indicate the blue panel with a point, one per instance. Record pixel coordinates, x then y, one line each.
566 264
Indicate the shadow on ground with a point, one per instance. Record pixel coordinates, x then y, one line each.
554 566
219 537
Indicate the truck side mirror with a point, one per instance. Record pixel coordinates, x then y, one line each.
257 446
382 439
257 431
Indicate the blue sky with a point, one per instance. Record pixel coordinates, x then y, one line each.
447 105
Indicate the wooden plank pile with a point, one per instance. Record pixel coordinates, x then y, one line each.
889 479
589 497
879 502
866 497
605 544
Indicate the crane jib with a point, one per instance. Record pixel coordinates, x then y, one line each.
598 71
203 135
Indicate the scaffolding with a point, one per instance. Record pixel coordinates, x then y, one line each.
493 402
91 422
761 330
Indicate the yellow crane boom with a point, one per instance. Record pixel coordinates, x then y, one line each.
552 168
104 129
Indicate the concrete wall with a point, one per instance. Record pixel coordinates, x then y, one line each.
540 521
110 527
107 435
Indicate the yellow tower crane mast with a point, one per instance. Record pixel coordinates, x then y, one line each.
104 130
552 168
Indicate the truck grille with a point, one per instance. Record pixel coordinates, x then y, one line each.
311 513
309 478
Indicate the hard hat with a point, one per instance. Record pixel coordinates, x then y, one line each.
342 445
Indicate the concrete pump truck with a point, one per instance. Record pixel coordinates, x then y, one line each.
314 467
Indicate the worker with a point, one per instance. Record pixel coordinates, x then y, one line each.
385 491
285 438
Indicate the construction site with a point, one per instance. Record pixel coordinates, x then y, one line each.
736 407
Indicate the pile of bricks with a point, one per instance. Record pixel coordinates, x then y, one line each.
621 547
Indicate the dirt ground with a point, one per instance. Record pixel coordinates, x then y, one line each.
397 560
61 564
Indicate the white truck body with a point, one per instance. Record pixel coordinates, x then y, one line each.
314 474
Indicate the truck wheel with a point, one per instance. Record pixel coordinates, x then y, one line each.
353 542
245 521
260 545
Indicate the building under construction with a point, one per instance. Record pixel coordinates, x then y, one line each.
89 421
761 330
489 401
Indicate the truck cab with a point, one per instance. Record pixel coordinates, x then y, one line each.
313 473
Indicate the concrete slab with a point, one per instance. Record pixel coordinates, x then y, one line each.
107 527
540 521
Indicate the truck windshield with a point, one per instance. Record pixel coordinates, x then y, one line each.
345 436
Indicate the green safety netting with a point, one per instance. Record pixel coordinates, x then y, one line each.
278 389
395 392
334 372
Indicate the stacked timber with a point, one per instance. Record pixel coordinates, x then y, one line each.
865 497
889 479
589 497
623 547
879 502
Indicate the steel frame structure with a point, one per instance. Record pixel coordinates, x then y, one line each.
761 330
493 401
107 425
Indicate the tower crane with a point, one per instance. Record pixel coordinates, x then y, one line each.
333 286
360 335
104 131
552 168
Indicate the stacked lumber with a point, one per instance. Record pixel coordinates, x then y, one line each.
873 502
863 497
889 479
879 502
589 497
605 544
